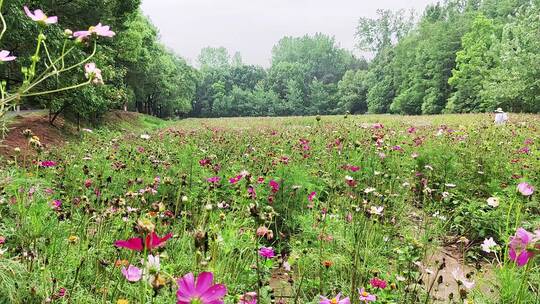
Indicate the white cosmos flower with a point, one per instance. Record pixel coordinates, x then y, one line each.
369 190
493 201
488 245
376 210
145 136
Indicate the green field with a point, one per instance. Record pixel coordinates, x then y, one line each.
398 206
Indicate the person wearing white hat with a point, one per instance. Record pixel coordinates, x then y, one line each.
500 117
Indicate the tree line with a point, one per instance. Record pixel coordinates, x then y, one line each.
457 56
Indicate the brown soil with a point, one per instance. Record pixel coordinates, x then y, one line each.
50 136
444 288
117 118
279 282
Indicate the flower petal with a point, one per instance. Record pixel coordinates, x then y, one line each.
204 282
131 244
215 292
186 287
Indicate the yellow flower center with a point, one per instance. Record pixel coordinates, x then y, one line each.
365 294
334 301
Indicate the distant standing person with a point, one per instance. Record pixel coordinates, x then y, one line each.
500 117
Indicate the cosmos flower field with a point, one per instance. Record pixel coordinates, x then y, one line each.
332 209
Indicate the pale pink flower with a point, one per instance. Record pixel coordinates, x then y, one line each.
4 56
98 30
525 189
335 300
132 273
366 296
40 17
92 72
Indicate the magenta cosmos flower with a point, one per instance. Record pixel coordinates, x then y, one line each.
274 185
366 296
132 273
213 179
311 196
4 56
39 16
335 300
47 163
99 30
204 291
152 241
267 252
525 189
522 246
378 283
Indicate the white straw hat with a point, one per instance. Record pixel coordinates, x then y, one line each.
499 110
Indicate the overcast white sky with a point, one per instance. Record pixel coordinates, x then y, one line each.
252 27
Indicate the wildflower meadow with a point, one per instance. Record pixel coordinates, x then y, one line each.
332 209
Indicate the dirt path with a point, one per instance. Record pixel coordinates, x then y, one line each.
439 265
279 282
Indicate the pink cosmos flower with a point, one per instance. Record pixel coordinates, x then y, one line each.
522 246
378 283
2 240
248 298
40 17
213 179
267 252
47 163
236 179
262 231
4 56
99 30
350 168
203 291
311 196
92 72
205 162
366 296
152 241
260 180
335 300
377 126
132 273
56 204
525 189
88 183
274 185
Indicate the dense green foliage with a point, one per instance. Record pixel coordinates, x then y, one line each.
461 56
139 72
